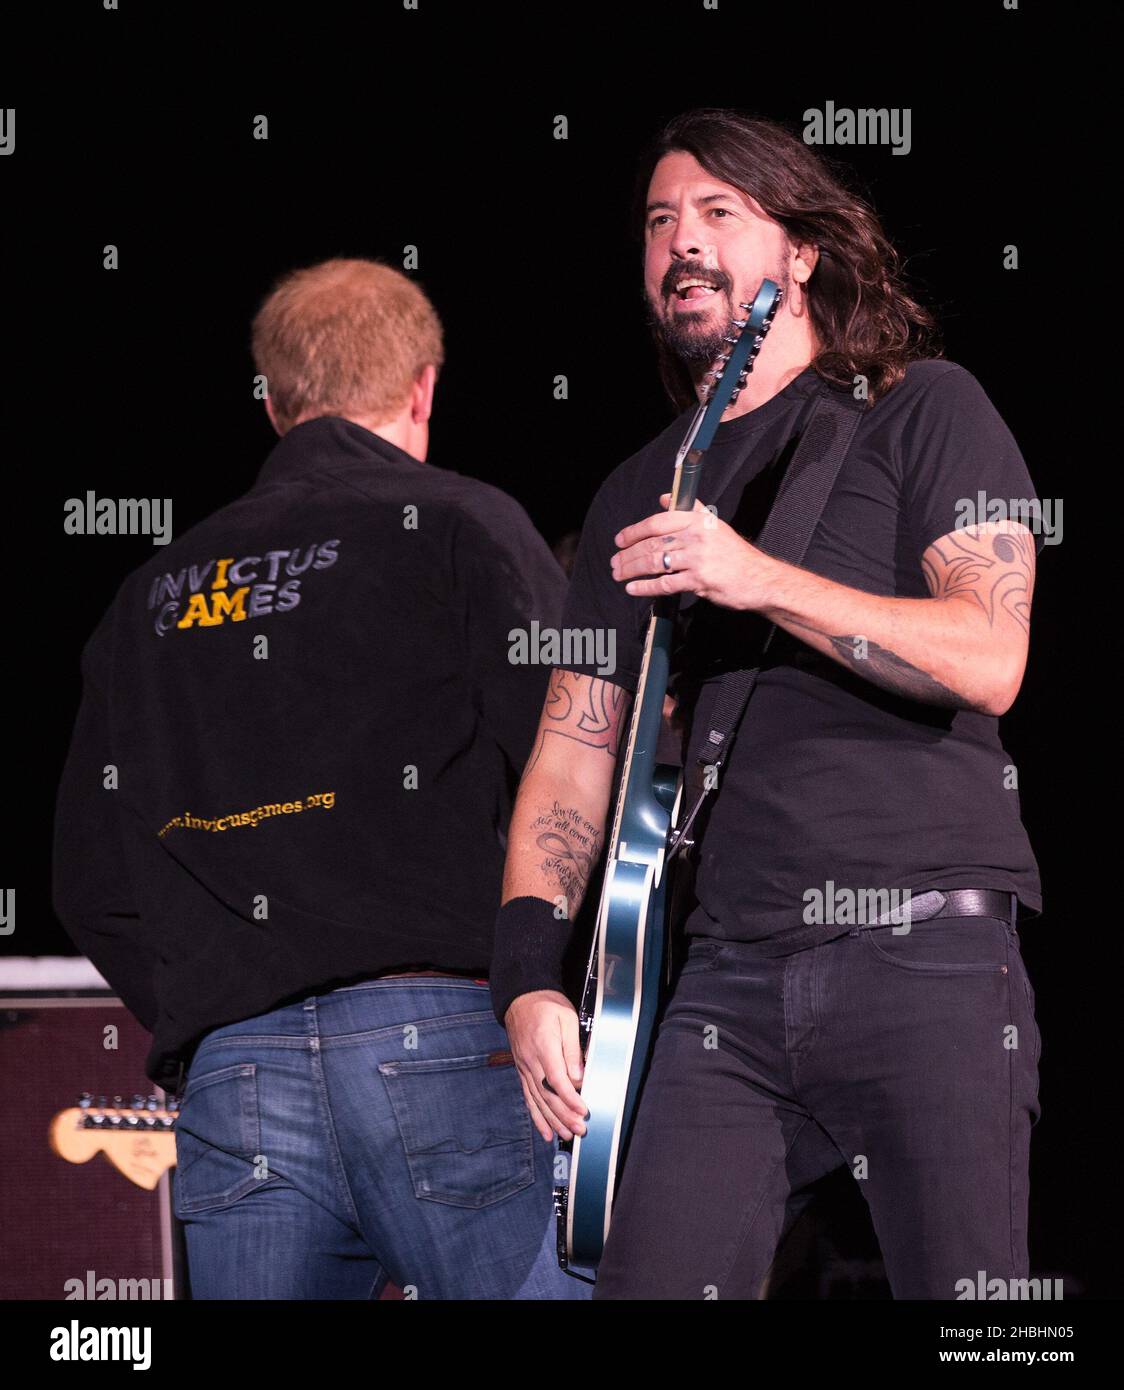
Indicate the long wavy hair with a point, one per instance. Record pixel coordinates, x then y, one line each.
864 317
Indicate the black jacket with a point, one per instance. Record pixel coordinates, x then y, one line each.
299 739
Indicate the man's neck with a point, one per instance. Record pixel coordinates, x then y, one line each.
788 349
762 386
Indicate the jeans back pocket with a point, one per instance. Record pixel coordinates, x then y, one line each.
464 1126
218 1139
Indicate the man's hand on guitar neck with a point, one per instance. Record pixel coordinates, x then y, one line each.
556 837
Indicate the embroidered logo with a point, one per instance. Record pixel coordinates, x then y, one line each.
231 589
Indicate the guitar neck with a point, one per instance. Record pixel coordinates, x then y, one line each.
727 377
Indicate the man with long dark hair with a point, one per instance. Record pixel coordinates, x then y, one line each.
804 1034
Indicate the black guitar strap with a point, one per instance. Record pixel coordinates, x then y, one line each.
786 535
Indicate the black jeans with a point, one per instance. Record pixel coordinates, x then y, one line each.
912 1058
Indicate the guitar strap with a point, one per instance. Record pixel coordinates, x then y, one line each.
786 535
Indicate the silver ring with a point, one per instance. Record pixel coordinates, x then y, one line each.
667 560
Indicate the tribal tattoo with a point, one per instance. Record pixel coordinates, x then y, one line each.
584 709
991 567
995 569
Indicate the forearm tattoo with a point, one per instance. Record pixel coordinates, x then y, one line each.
581 708
993 569
891 672
571 845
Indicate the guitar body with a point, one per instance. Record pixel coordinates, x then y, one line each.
628 964
632 947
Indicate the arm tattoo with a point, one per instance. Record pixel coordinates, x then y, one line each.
891 672
993 569
571 846
581 708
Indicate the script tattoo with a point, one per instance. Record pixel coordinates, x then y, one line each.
571 845
992 568
581 708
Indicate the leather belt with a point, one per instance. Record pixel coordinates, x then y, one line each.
951 902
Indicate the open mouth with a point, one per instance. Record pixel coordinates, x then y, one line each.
690 290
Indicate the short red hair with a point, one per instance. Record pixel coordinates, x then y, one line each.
345 337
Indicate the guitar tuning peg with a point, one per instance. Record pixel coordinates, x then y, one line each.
138 1101
117 1102
102 1103
85 1100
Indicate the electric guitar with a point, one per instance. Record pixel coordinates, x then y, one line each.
138 1139
624 981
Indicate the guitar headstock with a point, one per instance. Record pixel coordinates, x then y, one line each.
142 1113
137 1137
755 326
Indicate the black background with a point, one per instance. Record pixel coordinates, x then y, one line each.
435 129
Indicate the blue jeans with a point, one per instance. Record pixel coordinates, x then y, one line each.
378 1131
912 1058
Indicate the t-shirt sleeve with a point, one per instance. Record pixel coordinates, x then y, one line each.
600 620
954 448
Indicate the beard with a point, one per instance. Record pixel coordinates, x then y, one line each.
697 337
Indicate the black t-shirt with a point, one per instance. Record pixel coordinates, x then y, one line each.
316 728
831 781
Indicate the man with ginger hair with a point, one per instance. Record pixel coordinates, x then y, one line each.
291 874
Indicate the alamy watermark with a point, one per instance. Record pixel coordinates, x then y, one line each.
577 646
78 1343
840 125
854 907
1041 516
124 516
94 1288
1001 1290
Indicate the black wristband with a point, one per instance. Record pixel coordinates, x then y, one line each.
530 943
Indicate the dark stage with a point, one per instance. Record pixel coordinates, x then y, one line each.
138 382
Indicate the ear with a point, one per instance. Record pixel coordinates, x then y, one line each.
805 255
421 395
272 416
